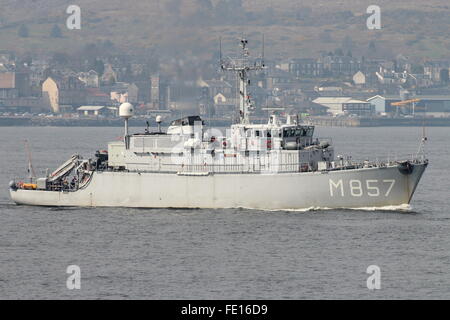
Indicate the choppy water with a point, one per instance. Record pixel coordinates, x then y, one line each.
225 254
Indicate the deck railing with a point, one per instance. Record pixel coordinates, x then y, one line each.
266 166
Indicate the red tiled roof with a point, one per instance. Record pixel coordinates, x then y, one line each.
96 92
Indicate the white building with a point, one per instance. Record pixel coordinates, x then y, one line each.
379 103
334 104
359 78
91 110
345 105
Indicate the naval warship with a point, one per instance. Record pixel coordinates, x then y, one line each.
277 165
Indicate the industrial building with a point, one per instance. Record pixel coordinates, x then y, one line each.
346 105
431 105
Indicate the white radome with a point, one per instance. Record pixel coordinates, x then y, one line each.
126 110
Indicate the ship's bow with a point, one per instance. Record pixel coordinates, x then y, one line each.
414 172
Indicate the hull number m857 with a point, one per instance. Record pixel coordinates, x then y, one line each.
358 188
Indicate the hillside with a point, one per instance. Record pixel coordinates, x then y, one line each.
178 27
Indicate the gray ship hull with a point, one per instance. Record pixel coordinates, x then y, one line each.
359 188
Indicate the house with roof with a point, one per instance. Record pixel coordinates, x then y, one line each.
359 79
307 67
92 111
90 79
379 103
330 88
433 69
14 81
60 93
223 105
340 65
279 79
216 86
97 97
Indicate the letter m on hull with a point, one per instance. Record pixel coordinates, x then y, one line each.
336 188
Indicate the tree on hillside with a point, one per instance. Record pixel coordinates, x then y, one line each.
56 32
90 52
26 59
98 66
23 31
60 58
110 81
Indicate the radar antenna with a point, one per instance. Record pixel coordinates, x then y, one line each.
242 66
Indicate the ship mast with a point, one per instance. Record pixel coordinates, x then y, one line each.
242 66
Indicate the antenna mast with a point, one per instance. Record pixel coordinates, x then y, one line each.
424 137
220 50
31 172
242 66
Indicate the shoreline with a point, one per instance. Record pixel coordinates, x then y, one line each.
317 121
74 122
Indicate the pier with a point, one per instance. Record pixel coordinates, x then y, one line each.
379 122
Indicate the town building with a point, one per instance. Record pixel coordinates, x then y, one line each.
159 93
63 93
340 65
92 111
346 105
14 83
90 79
307 67
433 69
359 79
97 97
429 105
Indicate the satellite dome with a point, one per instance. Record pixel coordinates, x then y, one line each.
126 110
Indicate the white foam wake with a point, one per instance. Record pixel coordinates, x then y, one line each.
403 207
397 208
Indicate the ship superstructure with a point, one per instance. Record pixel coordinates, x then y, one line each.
274 165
